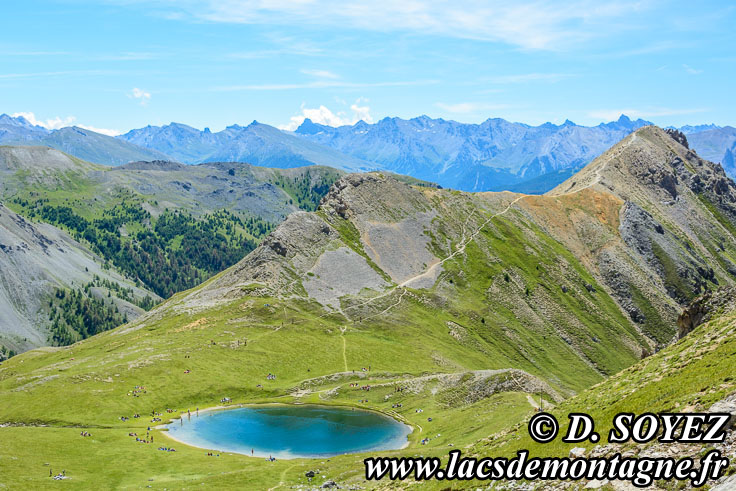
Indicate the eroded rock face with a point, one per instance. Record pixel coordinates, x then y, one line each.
704 307
678 136
659 175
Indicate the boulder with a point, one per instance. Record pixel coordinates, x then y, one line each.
577 452
727 405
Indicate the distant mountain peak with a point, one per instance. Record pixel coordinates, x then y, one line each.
20 122
308 127
671 171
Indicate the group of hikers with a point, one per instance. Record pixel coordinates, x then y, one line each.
58 477
425 441
147 439
137 390
270 376
85 433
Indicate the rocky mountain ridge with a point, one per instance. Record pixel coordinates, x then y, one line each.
492 156
654 235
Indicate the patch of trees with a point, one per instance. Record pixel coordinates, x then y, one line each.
75 315
168 254
123 293
6 353
306 189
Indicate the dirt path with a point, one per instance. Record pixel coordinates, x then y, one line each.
430 270
597 177
466 240
283 476
344 347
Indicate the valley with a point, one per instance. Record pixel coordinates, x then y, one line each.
146 231
457 313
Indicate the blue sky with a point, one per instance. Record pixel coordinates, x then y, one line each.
114 65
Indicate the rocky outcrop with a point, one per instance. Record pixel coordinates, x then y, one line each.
678 136
704 307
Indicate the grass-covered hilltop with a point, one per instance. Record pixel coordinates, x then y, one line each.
479 306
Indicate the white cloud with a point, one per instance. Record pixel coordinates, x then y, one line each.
320 74
323 115
614 114
51 124
470 107
57 123
691 70
141 95
361 113
529 24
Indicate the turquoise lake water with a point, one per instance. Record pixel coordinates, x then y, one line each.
291 431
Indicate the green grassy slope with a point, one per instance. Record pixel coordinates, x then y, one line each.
689 376
499 305
478 305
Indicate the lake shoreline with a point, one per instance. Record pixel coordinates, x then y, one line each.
258 453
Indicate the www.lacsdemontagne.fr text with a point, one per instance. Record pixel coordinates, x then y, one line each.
543 428
641 472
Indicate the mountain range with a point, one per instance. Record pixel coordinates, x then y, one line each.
79 142
491 156
457 313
